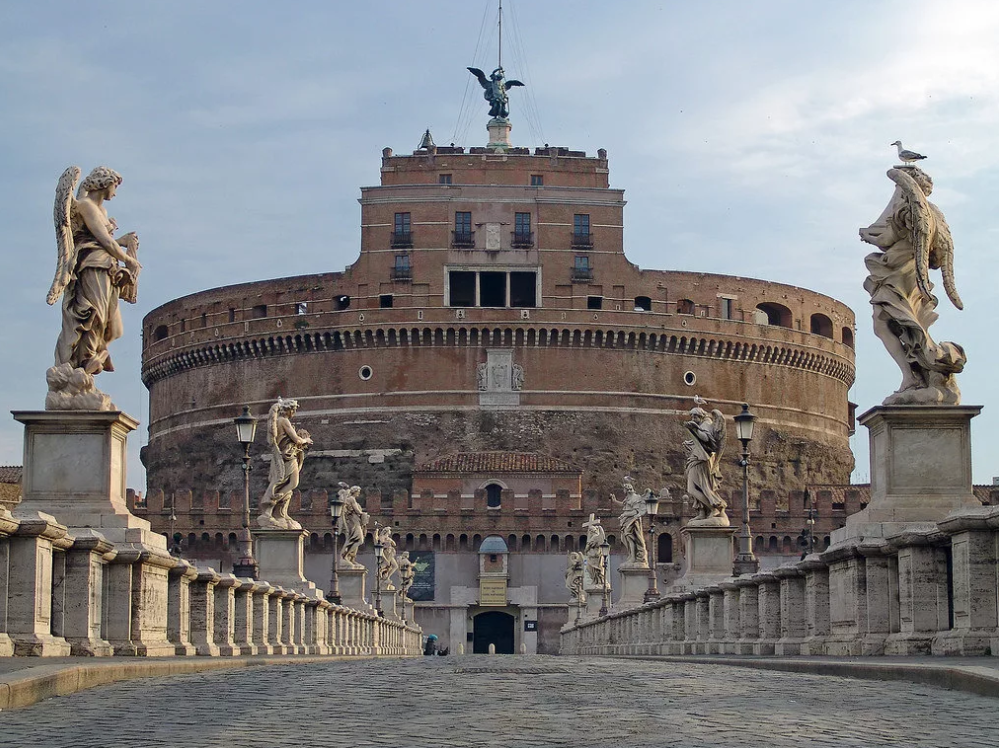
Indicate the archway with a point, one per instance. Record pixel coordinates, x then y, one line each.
494 627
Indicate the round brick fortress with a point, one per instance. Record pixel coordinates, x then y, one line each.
480 265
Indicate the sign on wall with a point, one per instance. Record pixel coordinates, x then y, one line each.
423 581
492 591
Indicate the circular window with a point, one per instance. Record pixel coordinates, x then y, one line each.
365 373
689 378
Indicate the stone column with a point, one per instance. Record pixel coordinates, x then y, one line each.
225 615
276 618
749 614
242 629
311 633
702 621
262 617
203 612
769 612
84 616
816 605
792 610
675 643
29 604
689 623
290 626
179 607
716 620
730 617
923 600
8 525
974 560
881 606
847 599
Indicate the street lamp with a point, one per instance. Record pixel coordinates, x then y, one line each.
379 550
745 561
652 509
809 532
336 509
605 562
174 545
246 429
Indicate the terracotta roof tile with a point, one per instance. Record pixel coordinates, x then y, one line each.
10 473
497 463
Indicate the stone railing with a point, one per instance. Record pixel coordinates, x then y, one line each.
64 592
929 590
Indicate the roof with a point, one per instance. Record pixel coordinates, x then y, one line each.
494 544
497 462
10 473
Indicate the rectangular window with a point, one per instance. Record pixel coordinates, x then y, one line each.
522 223
204 320
523 289
726 308
594 302
401 235
461 286
492 289
402 223
402 262
259 311
301 307
444 179
463 222
385 301
232 314
537 180
582 262
581 224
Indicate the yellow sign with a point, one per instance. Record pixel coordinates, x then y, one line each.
492 591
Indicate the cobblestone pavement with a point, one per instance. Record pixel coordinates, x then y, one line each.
481 701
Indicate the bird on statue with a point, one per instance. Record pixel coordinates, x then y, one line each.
907 157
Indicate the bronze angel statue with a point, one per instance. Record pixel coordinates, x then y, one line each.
496 87
703 470
912 238
94 270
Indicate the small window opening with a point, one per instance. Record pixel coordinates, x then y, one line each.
385 301
493 495
161 333
462 288
643 304
342 302
301 307
685 306
444 179
492 289
259 311
594 302
537 180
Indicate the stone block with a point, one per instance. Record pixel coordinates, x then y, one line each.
709 555
280 557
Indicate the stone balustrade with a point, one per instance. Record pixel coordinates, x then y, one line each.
64 592
930 590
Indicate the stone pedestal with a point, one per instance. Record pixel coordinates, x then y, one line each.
280 556
920 469
499 133
709 554
74 469
634 585
594 601
389 609
352 591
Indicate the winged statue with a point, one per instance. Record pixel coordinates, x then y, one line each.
913 238
703 468
288 447
495 90
94 270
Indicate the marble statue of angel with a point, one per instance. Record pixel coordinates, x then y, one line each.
390 564
94 271
288 447
574 576
912 238
703 468
495 91
407 573
632 511
595 536
353 523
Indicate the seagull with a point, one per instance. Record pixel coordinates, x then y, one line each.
907 157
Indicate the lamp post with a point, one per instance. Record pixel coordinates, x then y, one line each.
246 429
379 550
810 514
745 561
605 562
336 509
174 545
652 509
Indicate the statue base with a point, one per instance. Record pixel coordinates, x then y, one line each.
499 133
352 588
634 585
389 599
920 468
594 601
74 469
709 555
281 559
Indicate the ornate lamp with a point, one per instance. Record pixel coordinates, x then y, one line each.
605 562
652 509
745 561
379 552
336 509
246 430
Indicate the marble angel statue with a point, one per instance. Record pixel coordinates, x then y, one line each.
288 448
353 523
407 573
703 468
94 271
912 238
595 536
574 576
390 564
632 511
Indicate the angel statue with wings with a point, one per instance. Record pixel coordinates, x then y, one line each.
94 271
287 455
912 237
496 87
703 470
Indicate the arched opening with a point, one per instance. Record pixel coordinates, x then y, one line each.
848 337
778 315
664 548
821 325
160 333
643 304
685 306
493 495
494 627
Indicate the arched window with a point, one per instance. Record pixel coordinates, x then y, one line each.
848 337
493 495
685 306
821 325
160 333
643 304
778 315
664 549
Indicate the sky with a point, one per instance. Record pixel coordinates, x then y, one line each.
752 139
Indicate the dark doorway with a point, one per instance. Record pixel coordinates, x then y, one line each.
493 628
492 289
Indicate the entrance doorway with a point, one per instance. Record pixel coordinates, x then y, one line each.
494 627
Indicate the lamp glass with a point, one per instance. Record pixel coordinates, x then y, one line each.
744 423
605 549
246 426
379 549
336 507
652 505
